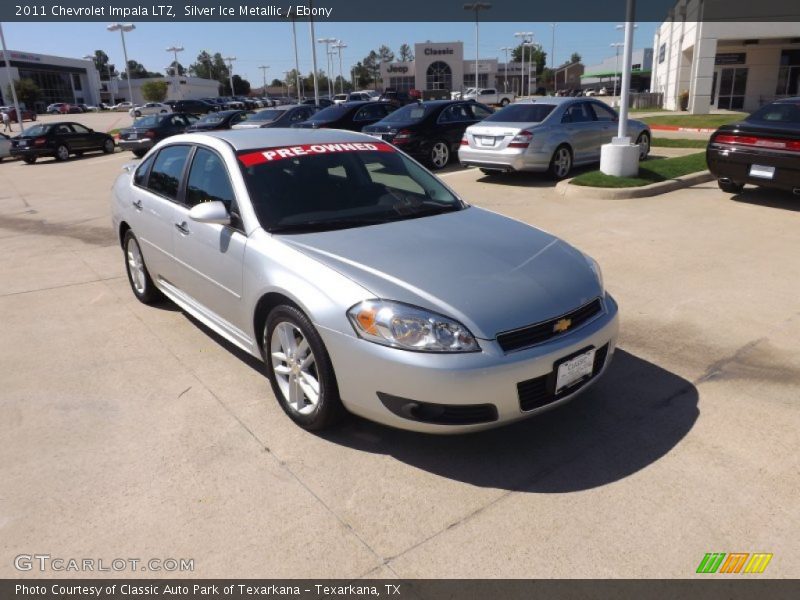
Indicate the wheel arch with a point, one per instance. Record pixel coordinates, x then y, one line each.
123 229
263 307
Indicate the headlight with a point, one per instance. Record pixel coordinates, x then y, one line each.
597 271
410 328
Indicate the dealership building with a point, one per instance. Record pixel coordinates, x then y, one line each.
443 66
732 65
60 79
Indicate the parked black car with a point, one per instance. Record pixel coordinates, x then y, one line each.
196 107
280 116
225 119
430 131
763 149
59 140
350 115
396 98
147 131
323 102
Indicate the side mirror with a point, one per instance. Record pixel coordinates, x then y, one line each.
213 211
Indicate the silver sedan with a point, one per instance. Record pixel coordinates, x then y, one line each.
362 281
548 134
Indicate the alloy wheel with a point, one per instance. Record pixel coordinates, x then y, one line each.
136 266
563 162
644 145
440 155
62 153
295 368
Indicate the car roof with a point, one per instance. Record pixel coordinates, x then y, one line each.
253 139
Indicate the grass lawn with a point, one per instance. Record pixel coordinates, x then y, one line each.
116 131
659 142
709 121
650 171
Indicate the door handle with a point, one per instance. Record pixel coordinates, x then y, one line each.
182 228
137 204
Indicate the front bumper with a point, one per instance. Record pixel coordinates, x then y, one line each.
509 159
489 377
734 164
140 144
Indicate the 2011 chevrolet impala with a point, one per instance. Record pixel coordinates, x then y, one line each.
361 280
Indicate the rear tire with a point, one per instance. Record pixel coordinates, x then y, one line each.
62 153
138 276
504 102
439 155
300 370
29 159
108 146
643 141
561 163
730 187
139 153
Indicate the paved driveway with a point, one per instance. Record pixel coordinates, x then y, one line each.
132 431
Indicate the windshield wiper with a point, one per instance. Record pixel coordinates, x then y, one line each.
310 226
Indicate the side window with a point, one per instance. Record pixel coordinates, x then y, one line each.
455 114
299 115
489 92
362 114
165 176
577 113
603 113
64 129
140 176
208 180
78 128
480 111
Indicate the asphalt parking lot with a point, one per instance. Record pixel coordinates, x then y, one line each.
133 431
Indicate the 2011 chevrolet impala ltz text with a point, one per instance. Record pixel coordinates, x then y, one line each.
362 281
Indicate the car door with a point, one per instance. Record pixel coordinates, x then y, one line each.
83 137
209 255
606 122
368 114
579 126
5 145
155 200
452 122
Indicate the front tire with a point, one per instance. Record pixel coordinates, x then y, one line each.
138 113
643 141
730 187
108 146
62 153
300 370
29 159
504 102
439 155
138 276
139 153
561 163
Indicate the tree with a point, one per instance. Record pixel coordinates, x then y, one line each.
27 92
138 71
210 66
539 56
241 87
385 54
154 91
372 64
363 75
406 55
575 58
103 66
176 65
276 83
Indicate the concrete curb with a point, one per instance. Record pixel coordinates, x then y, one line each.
567 190
686 129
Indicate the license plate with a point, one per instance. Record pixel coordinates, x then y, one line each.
132 136
487 141
574 370
23 144
762 171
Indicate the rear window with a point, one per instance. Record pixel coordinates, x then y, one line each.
779 112
149 121
521 113
37 130
267 115
332 113
409 114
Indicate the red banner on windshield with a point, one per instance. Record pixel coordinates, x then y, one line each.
266 155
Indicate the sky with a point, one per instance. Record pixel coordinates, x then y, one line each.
256 44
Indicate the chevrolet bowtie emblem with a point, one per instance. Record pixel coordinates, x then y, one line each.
562 325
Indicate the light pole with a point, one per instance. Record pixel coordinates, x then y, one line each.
175 50
553 47
10 82
505 68
296 60
328 41
525 36
230 60
477 7
313 53
286 82
339 47
530 63
618 45
264 77
124 28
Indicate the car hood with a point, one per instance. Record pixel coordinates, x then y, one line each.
381 127
489 272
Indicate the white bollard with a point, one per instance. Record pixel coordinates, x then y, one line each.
620 158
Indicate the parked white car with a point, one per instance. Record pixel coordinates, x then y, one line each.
150 108
122 106
490 96
340 98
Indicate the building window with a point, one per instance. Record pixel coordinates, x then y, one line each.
483 80
401 84
789 74
439 76
662 52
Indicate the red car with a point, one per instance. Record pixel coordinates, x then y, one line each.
27 115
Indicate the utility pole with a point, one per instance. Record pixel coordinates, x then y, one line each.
175 74
339 47
264 77
477 7
505 68
10 82
230 60
313 53
525 36
123 28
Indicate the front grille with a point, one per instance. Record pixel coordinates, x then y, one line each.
541 332
540 391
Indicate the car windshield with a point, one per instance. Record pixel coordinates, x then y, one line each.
521 113
37 130
331 113
779 112
150 121
267 115
212 119
319 187
408 114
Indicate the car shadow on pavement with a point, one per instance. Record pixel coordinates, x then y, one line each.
529 179
631 418
767 197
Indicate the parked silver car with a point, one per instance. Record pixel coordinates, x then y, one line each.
549 134
362 281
